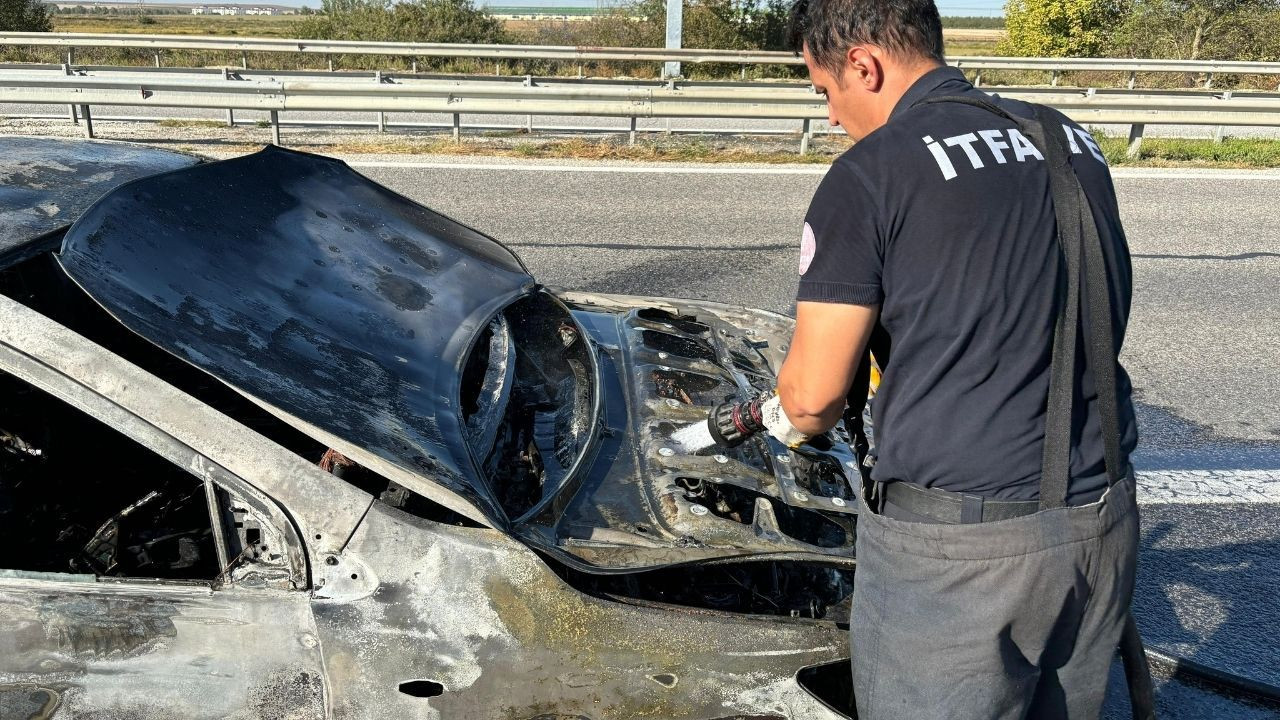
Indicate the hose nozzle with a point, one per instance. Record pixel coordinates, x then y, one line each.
731 424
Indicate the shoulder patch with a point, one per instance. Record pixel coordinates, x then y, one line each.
808 246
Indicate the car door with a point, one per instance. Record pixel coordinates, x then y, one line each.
139 578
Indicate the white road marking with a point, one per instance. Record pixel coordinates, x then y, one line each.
1208 486
1191 174
1117 173
646 169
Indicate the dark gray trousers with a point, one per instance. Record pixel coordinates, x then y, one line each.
1010 619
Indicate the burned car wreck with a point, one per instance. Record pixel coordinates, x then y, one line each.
278 442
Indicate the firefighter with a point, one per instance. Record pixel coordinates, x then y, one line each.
997 530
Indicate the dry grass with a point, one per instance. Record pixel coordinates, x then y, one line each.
581 149
257 26
179 123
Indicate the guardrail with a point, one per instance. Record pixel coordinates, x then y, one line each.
567 99
158 43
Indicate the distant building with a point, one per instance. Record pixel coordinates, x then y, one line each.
234 10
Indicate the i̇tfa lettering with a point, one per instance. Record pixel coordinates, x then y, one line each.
994 141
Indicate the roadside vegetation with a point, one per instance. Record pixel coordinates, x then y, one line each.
1236 153
434 21
1184 29
24 16
1176 152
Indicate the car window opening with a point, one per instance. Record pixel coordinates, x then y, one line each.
40 284
527 396
77 496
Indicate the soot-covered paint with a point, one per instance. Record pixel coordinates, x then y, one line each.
310 288
45 183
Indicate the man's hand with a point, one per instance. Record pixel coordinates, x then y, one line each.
828 343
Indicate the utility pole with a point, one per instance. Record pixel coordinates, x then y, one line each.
675 24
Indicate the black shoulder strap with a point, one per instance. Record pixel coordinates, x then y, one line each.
1078 239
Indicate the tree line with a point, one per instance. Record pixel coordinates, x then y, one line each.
1178 29
1184 29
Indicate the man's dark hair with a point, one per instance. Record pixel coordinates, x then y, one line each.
905 28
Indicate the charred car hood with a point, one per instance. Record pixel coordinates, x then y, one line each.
339 305
352 313
45 183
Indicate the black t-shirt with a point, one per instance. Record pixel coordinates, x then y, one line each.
943 218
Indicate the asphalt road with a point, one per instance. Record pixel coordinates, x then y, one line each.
1203 351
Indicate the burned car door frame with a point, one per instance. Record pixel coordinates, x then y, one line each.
246 638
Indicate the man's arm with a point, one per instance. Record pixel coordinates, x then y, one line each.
828 343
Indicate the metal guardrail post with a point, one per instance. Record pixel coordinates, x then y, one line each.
71 55
631 136
977 79
66 70
244 60
528 119
674 35
329 60
88 121
1133 79
382 116
806 133
1208 81
1053 79
1135 140
231 114
275 127
157 56
457 127
1220 132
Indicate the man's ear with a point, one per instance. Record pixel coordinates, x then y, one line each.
863 67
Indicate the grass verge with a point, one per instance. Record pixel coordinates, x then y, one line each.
1156 152
1171 152
179 123
578 149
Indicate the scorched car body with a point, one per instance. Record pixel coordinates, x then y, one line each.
278 442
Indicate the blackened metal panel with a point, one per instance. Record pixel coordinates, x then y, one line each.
143 650
310 288
45 183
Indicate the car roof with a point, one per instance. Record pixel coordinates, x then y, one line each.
46 183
